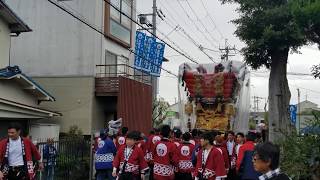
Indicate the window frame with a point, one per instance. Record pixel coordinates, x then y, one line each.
107 25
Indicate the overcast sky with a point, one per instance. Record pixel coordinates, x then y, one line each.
211 32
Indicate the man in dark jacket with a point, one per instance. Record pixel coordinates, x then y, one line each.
266 160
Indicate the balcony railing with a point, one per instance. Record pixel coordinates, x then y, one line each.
107 77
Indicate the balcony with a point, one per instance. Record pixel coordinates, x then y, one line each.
107 81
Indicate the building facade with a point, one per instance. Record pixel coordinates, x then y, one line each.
78 50
20 96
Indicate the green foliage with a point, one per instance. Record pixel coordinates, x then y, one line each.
298 152
316 71
159 111
272 26
252 124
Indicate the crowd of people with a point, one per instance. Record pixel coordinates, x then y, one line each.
167 154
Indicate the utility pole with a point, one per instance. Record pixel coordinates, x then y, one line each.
299 111
154 79
227 50
143 20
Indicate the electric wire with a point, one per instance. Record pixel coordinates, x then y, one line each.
204 26
100 32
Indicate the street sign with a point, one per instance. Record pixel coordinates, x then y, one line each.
293 113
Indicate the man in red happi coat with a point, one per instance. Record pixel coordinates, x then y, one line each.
163 156
177 136
210 163
153 138
16 156
129 161
219 145
121 139
247 146
183 158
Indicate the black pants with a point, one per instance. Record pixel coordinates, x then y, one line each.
129 176
18 173
183 176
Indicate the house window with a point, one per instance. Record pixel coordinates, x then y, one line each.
118 27
111 64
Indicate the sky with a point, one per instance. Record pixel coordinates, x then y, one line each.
207 22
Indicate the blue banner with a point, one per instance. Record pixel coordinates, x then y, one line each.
158 59
293 113
148 54
139 49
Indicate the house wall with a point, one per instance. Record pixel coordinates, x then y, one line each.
4 44
11 90
59 45
74 99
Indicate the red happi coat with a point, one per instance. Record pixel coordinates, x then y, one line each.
213 167
177 141
152 140
136 162
247 146
29 151
120 140
225 155
163 154
183 157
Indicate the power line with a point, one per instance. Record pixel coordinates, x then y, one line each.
124 14
205 28
203 34
189 38
100 32
212 21
182 19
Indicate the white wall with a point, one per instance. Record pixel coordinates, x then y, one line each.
4 44
10 90
59 45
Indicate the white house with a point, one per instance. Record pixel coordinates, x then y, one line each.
20 96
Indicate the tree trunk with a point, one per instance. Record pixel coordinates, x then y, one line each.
279 97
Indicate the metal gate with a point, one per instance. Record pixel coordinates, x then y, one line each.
72 161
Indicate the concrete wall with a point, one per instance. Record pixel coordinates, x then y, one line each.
74 96
11 90
4 44
59 44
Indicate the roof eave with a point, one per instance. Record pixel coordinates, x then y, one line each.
16 25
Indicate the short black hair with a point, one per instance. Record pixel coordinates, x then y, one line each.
208 136
177 133
151 132
251 136
124 130
15 126
186 136
135 135
230 132
194 132
268 152
240 134
165 131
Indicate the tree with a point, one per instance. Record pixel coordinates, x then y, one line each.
270 29
316 71
160 107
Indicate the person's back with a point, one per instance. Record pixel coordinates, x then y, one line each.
246 171
163 157
104 157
